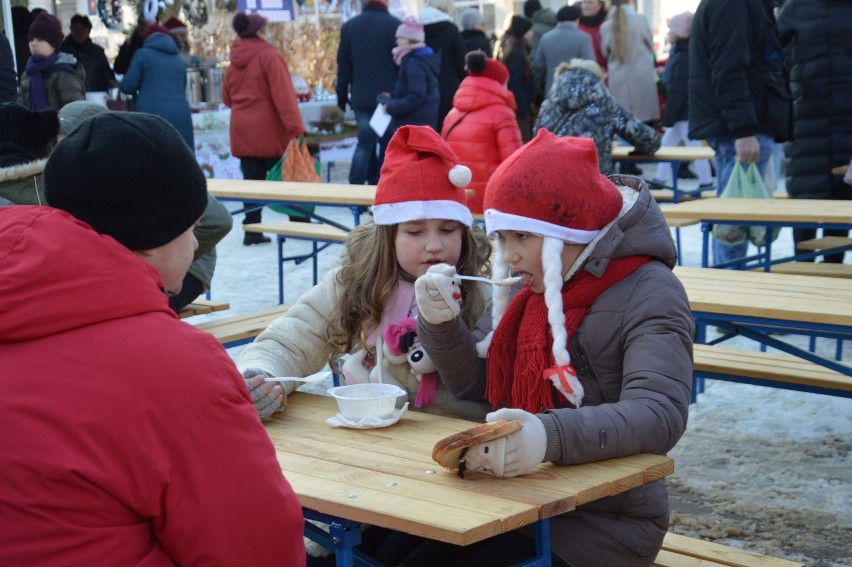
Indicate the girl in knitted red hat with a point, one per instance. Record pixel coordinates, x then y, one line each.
420 219
592 354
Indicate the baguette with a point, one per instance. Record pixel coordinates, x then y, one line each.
450 450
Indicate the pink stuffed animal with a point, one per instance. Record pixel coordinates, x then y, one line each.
401 344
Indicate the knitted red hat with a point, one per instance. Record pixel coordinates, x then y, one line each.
421 179
480 65
46 27
552 187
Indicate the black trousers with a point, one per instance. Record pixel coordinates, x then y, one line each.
255 168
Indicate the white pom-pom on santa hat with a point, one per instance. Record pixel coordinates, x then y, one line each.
412 187
460 176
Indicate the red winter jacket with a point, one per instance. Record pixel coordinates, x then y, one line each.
482 130
127 436
264 110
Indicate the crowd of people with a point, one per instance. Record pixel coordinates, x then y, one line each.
118 452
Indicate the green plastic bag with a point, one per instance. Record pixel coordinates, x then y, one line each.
297 147
744 183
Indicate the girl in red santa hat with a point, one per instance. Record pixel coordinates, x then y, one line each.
421 220
593 354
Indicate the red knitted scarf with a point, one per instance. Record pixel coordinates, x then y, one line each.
521 346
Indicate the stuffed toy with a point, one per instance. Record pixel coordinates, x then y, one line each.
400 345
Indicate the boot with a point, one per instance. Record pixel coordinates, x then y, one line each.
252 238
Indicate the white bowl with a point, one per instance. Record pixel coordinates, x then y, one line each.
357 401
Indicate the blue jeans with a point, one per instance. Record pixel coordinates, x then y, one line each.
366 163
726 155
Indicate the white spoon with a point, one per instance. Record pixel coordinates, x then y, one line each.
504 282
318 377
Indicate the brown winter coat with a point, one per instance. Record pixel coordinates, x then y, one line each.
64 83
633 354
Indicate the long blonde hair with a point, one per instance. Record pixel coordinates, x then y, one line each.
619 31
369 273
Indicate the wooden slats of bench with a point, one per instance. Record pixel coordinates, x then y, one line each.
680 223
821 269
683 551
302 230
667 195
240 329
824 242
202 307
768 369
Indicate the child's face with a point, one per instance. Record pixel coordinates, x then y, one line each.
522 253
41 47
420 244
403 41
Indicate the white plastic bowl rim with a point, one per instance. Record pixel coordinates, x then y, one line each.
366 400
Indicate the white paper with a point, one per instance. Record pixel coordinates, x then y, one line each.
380 120
367 422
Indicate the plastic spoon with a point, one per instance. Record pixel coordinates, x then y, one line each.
318 377
504 282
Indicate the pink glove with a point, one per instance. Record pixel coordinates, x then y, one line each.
516 454
438 294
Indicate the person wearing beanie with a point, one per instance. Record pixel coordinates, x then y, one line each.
264 110
51 79
592 15
676 113
543 20
593 354
24 139
415 99
152 402
365 68
514 53
563 43
443 36
99 75
482 128
8 78
180 34
473 32
157 81
579 104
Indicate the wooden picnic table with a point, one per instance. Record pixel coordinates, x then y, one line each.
769 213
757 304
674 155
386 477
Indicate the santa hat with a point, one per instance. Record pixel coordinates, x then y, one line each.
421 179
411 29
480 65
174 25
551 187
154 28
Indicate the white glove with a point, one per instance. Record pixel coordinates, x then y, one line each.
848 177
516 454
438 294
267 397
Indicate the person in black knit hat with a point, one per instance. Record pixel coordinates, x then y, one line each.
140 206
24 138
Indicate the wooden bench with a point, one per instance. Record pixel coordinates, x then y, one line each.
821 269
677 224
242 329
667 195
202 307
683 551
320 235
824 242
765 369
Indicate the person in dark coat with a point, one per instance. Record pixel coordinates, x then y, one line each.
473 32
738 95
514 53
8 77
365 69
99 75
543 20
22 18
816 33
414 100
129 47
444 38
157 77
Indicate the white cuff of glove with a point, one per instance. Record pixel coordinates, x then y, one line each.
516 454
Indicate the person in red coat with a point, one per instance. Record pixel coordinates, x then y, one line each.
128 436
481 127
264 110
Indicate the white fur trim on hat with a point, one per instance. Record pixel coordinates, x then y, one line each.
495 221
406 211
460 176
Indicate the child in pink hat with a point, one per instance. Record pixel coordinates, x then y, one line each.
593 354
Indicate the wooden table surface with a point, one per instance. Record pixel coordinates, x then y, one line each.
763 210
292 192
665 153
790 298
840 170
387 477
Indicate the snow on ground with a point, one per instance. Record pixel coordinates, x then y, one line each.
760 468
